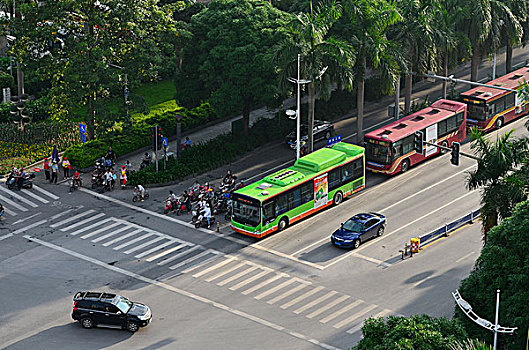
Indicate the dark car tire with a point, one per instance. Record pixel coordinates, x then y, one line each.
499 123
132 327
405 165
338 198
380 231
328 135
356 244
87 322
283 224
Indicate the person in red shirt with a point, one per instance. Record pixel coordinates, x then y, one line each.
77 179
47 168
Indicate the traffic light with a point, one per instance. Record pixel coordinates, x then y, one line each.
159 136
455 153
153 137
418 142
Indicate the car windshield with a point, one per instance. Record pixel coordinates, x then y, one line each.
246 211
353 226
123 304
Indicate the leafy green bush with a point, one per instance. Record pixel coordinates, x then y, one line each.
219 151
6 80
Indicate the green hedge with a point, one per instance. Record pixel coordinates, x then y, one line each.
138 136
219 151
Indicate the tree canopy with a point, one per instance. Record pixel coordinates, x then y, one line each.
418 332
226 58
503 264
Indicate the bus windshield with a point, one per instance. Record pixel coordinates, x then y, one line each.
476 112
378 152
246 211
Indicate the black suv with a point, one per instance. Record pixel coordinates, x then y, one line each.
322 130
95 308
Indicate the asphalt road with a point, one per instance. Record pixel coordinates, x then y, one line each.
207 289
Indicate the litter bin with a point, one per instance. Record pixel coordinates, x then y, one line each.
415 245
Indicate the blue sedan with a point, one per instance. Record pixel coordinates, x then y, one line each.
359 229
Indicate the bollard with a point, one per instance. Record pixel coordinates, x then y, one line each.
471 217
401 254
406 248
411 253
218 226
446 230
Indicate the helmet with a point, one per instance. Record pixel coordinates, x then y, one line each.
210 190
123 166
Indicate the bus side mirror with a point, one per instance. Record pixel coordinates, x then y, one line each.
364 144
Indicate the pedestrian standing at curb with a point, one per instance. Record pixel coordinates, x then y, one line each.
47 168
66 167
55 154
111 155
54 170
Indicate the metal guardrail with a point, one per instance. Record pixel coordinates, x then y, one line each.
450 227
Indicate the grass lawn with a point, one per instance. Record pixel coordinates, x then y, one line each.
157 95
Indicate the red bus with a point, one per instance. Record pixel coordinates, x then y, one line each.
389 149
490 108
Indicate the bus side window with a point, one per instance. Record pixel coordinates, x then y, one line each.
509 100
397 149
407 144
347 173
334 179
358 168
281 204
269 211
307 192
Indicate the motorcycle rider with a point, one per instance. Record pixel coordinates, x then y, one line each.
108 179
21 176
139 189
187 200
77 181
229 179
172 197
207 214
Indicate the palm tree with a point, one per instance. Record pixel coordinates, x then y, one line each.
318 50
512 30
415 34
471 344
370 20
496 175
446 38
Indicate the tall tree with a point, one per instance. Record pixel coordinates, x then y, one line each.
226 57
370 20
497 166
73 44
502 265
318 50
415 34
512 28
447 39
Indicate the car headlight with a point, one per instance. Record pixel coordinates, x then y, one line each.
146 316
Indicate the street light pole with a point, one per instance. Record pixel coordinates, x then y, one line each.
496 318
298 81
178 135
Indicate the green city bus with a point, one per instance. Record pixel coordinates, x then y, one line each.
314 182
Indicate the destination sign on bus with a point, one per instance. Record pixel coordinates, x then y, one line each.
376 142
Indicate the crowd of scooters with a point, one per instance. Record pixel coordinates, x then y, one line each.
203 201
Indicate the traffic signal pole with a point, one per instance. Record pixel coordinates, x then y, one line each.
450 149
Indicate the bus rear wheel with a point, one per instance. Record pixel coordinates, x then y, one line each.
283 224
499 123
338 198
405 165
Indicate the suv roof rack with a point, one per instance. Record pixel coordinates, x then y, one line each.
93 295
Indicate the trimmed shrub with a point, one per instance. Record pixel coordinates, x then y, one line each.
221 150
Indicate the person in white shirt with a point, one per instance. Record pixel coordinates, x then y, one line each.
207 214
139 189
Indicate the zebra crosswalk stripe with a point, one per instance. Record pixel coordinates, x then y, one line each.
355 316
12 203
287 293
120 238
214 255
359 326
262 284
225 272
315 302
237 276
143 245
72 218
328 306
19 197
141 238
111 233
49 194
250 279
82 222
99 223
275 289
98 231
39 198
152 250
174 257
341 311
168 251
302 297
191 259
214 267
